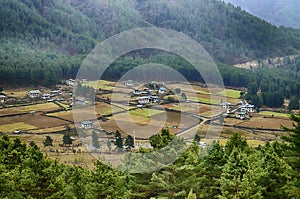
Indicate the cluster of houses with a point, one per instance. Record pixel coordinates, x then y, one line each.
147 96
241 110
37 94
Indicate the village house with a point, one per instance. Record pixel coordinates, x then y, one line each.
2 98
248 108
70 82
141 92
34 93
241 116
225 105
128 83
56 92
144 100
202 144
148 99
136 92
162 90
46 96
87 124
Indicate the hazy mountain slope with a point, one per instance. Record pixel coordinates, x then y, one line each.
228 33
278 12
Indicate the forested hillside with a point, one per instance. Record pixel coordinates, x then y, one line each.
45 41
235 170
278 12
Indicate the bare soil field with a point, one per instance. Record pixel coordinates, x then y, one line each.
147 126
260 122
26 109
66 115
34 120
269 123
254 138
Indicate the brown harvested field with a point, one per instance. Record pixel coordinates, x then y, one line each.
36 120
269 123
233 121
254 137
50 129
26 109
195 108
17 93
105 109
87 113
115 97
66 115
144 126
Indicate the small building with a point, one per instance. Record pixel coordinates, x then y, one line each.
249 108
154 99
34 94
144 100
70 82
56 92
148 99
162 90
241 116
225 105
87 124
136 92
2 98
128 83
46 96
202 144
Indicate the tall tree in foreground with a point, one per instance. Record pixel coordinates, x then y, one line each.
293 152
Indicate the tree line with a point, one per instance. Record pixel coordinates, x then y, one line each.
234 170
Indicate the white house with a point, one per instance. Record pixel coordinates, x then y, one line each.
162 90
249 108
225 105
2 98
148 99
56 92
241 115
136 92
154 99
202 144
70 82
34 94
46 96
144 100
128 83
87 124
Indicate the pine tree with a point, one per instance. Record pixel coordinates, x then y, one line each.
119 140
293 152
197 138
129 142
67 140
48 141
